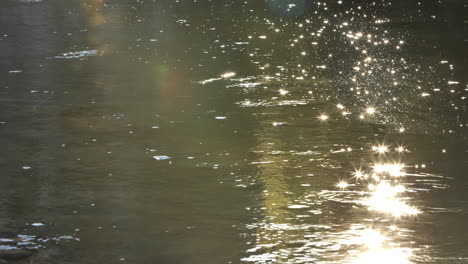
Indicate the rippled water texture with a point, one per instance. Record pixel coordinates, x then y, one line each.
223 131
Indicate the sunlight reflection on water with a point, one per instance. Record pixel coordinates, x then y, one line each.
317 132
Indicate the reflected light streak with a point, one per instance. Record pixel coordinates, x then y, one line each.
384 256
377 250
277 124
380 149
395 170
371 238
384 199
228 74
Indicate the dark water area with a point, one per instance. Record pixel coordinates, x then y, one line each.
223 131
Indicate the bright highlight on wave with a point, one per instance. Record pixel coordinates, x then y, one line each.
358 174
400 149
384 199
377 249
370 110
370 238
323 117
342 185
395 169
384 256
283 92
384 190
380 149
228 74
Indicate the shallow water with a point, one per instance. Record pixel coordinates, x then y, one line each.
234 132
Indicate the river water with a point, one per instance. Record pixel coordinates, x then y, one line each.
223 131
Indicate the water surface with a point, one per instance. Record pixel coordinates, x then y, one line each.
234 131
